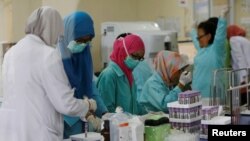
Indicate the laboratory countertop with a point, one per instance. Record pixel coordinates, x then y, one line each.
244 120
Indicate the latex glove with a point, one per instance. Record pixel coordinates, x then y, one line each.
224 12
185 78
92 104
94 122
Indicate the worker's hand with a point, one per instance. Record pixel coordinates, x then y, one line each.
94 122
92 104
185 78
224 12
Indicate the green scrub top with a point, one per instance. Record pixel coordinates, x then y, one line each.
208 59
156 94
115 90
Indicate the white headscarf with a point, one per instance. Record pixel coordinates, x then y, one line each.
46 23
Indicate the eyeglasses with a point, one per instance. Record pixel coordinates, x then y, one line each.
137 57
199 37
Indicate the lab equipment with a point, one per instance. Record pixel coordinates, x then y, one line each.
185 114
86 128
119 127
230 91
177 135
217 120
153 37
189 97
105 132
227 91
92 136
191 127
209 112
220 84
137 129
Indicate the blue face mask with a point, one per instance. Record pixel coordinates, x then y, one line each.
75 47
130 62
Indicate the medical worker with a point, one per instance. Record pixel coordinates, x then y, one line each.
240 50
227 56
141 73
77 61
168 80
116 83
36 90
209 42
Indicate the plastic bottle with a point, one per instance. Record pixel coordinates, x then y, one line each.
105 132
119 127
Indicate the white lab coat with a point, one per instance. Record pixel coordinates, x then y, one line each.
36 93
240 50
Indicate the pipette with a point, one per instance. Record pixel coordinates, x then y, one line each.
85 128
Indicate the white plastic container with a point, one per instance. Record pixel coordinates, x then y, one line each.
119 127
137 129
92 136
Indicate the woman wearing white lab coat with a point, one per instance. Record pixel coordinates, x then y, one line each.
240 49
36 88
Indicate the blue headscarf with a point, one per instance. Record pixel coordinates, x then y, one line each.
78 66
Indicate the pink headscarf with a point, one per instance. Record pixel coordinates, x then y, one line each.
133 43
167 63
234 30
